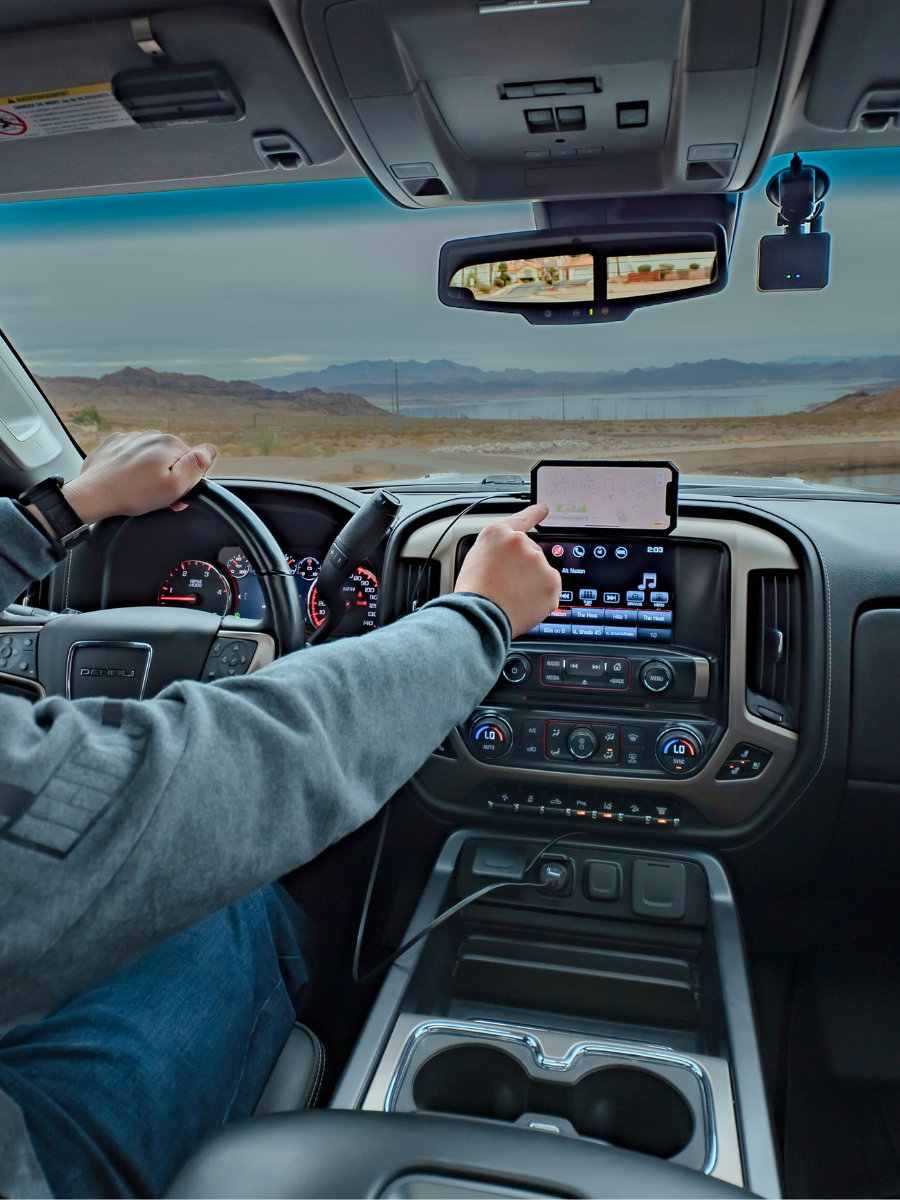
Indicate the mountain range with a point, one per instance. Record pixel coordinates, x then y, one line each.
443 379
144 388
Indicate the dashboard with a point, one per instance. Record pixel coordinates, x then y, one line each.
663 694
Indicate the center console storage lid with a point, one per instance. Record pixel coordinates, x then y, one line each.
346 1154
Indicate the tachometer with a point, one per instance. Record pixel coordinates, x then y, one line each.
196 584
359 596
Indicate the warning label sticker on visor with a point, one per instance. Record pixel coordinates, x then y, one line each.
65 110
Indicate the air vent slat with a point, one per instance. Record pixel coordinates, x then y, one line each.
416 584
773 646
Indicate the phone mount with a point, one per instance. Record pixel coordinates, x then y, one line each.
796 259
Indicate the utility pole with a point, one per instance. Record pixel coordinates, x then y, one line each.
564 404
396 400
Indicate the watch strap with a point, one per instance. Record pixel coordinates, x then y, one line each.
47 498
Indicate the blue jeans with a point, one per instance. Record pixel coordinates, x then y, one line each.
121 1083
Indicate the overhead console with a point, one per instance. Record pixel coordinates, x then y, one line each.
500 100
661 693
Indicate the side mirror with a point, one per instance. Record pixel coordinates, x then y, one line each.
584 276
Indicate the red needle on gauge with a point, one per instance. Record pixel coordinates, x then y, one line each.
181 599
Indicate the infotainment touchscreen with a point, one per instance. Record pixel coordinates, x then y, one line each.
617 589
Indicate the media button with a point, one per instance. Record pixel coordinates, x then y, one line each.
578 664
659 597
654 616
599 552
634 597
611 598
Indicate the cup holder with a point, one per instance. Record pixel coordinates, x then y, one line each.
624 1105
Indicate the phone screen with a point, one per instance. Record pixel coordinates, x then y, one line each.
636 496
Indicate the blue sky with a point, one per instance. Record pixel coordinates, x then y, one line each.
250 282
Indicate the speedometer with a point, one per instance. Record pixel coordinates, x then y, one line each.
196 584
359 596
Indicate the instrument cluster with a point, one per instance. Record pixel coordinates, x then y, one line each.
231 586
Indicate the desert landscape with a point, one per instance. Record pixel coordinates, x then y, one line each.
342 437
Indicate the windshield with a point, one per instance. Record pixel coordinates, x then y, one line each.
298 328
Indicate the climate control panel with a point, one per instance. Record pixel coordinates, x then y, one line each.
611 744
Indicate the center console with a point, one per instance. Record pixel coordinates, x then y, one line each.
628 705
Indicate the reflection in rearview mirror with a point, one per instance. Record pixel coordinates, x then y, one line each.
555 279
630 275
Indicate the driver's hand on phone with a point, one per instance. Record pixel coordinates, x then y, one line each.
507 567
134 473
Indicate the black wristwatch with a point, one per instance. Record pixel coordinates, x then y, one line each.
62 518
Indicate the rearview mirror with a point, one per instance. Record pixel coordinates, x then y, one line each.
583 276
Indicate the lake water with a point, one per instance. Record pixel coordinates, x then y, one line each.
689 403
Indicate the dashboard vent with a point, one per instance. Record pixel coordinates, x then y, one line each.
773 646
416 584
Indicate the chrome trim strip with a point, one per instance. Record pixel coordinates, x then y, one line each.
23 681
108 644
497 1032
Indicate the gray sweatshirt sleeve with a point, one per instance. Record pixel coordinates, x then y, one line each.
113 836
26 553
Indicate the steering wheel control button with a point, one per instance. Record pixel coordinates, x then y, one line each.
555 877
490 737
17 655
227 657
744 762
516 669
582 742
657 676
679 751
658 889
603 881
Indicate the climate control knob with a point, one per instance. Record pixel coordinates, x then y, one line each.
679 751
490 737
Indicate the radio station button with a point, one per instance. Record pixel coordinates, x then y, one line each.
657 676
588 614
582 742
554 629
654 616
582 665
621 616
552 668
597 632
649 633
620 633
634 735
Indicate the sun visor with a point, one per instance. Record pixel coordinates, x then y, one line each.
458 101
91 106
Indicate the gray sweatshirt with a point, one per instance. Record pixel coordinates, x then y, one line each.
202 794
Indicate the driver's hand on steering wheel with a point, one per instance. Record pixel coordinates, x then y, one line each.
134 473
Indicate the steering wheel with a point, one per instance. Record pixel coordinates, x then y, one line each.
132 653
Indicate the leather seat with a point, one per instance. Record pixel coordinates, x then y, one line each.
297 1075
